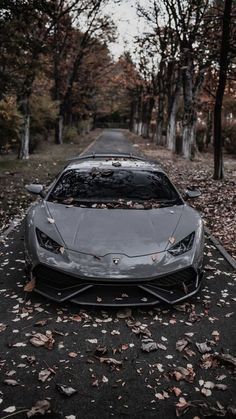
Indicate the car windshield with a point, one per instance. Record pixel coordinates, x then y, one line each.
100 185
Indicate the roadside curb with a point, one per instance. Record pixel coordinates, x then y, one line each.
221 249
91 144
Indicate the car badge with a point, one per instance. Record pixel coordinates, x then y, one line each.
116 261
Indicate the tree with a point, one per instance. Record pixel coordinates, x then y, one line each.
223 68
71 43
37 30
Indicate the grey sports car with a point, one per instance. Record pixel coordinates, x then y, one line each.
112 230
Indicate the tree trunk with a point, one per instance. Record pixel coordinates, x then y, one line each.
25 132
209 128
189 139
161 98
171 127
132 116
139 115
151 103
59 130
224 62
191 92
144 128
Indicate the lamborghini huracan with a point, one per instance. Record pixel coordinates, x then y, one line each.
113 230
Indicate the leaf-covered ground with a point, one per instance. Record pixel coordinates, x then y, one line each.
217 203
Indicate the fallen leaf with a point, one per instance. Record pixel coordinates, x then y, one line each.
110 361
46 340
41 407
92 340
11 382
124 313
149 345
76 318
10 409
51 220
19 345
203 347
208 409
2 327
65 390
72 354
181 407
230 359
100 350
43 375
181 344
125 346
115 332
221 387
216 335
40 323
29 287
159 396
186 374
209 384
206 392
176 391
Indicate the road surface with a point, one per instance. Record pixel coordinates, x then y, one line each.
144 385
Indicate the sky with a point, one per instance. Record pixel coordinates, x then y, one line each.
128 24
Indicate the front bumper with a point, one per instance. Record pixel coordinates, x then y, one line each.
171 288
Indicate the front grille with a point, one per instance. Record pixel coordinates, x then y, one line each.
187 276
59 287
62 281
55 279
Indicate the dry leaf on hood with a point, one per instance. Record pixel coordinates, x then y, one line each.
51 220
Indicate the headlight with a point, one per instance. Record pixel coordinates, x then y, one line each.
183 246
47 243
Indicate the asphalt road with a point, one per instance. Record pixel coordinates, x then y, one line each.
112 141
144 385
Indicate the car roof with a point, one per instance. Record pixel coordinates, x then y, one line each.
108 161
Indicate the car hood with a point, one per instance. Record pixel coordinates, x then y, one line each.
100 232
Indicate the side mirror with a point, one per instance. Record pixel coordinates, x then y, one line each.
35 189
191 194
